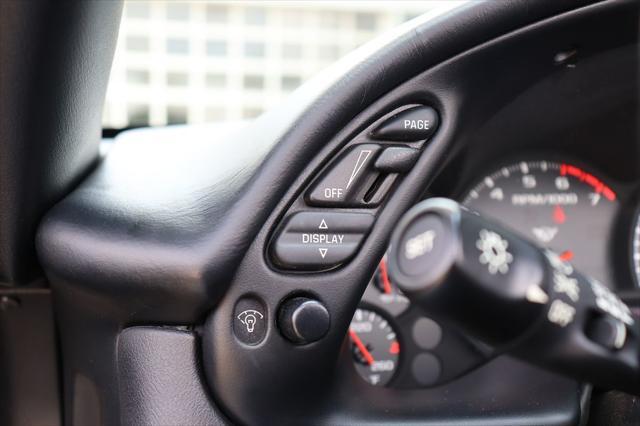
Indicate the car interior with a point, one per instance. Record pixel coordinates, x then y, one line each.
440 228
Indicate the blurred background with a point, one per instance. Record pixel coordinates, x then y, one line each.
192 62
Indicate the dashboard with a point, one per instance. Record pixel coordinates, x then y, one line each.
244 281
561 202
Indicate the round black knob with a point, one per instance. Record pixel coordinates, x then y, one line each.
303 320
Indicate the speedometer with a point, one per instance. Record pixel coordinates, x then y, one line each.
557 205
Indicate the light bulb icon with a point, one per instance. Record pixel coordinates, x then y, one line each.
250 321
250 318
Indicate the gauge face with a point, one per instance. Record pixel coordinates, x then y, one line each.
388 296
375 347
556 205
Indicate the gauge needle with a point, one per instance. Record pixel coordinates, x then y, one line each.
566 255
559 216
386 284
363 349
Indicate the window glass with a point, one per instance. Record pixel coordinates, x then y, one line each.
138 115
291 82
176 114
177 79
178 11
216 48
195 61
291 51
366 21
138 76
216 80
329 19
254 49
255 16
136 43
216 13
329 52
138 9
178 46
215 113
254 82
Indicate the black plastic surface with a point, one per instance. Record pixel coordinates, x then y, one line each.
344 183
249 320
410 125
160 379
55 59
29 375
397 159
316 240
303 320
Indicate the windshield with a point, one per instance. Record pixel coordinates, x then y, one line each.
193 62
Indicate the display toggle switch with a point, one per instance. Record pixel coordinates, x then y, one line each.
320 240
347 180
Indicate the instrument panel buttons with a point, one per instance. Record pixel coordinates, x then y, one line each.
320 240
410 125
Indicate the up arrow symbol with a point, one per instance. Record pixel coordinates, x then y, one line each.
323 225
323 252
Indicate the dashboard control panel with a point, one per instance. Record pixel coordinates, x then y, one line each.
409 125
319 240
327 224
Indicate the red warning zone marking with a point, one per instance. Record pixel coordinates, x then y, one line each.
598 186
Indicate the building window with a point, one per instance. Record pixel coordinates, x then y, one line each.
250 112
215 114
216 80
217 13
176 114
178 46
138 115
254 50
178 11
216 48
138 9
135 76
329 52
137 43
366 21
329 19
177 79
290 82
255 82
291 51
255 16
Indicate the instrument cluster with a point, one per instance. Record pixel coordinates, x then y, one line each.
589 219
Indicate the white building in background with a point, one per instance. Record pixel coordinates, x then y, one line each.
195 61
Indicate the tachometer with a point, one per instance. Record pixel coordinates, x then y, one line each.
557 205
375 347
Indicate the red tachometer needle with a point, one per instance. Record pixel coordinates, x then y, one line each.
363 349
386 284
566 255
559 216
